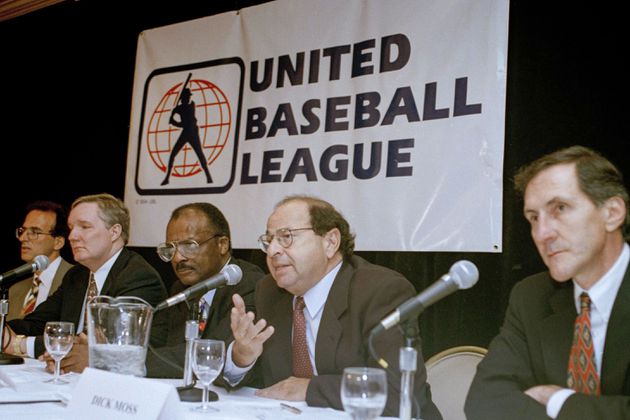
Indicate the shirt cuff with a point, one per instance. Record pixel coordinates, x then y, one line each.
231 373
30 346
556 401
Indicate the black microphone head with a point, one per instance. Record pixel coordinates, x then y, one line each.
41 261
233 274
464 274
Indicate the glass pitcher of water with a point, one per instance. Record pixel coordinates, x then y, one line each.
118 334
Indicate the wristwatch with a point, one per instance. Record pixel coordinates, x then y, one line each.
17 344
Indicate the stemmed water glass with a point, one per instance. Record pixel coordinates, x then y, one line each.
207 363
58 338
363 392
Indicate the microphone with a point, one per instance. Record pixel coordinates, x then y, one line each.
40 262
462 275
229 276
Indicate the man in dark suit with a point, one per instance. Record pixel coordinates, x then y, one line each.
310 258
577 205
99 231
43 232
198 245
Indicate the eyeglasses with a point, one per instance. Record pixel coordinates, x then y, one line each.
284 237
30 234
189 248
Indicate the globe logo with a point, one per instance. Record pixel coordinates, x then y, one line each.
208 124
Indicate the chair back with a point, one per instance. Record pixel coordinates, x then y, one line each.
450 373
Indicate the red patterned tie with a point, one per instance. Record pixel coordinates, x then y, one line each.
31 297
582 373
301 361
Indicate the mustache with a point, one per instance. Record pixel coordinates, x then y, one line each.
183 266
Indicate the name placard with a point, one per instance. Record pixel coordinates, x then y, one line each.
102 395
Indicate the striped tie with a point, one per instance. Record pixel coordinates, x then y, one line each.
31 296
582 372
92 292
302 367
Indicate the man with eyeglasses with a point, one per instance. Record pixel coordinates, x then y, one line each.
198 246
43 232
99 232
315 311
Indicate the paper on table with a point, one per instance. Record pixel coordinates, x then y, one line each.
28 380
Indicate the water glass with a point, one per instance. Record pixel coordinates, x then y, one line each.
208 357
363 392
58 339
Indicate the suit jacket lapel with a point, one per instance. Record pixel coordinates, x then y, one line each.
330 328
557 334
280 342
616 359
118 265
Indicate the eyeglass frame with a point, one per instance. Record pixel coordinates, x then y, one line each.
31 234
264 247
175 244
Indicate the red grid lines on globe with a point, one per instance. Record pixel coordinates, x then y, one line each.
214 118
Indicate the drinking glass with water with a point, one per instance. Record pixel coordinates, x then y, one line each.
363 392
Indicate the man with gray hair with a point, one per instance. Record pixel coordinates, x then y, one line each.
99 232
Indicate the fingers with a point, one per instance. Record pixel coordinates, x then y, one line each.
239 303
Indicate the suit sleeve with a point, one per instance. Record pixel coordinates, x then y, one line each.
33 323
497 391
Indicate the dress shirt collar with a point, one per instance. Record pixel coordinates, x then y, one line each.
604 291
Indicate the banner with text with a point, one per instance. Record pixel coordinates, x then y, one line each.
393 111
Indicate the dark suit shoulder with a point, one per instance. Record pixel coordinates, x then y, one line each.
375 276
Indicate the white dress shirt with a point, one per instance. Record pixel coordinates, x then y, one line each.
314 299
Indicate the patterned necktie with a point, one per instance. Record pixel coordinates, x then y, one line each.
31 296
582 372
302 367
204 309
92 292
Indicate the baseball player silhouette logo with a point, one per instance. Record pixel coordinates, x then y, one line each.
183 116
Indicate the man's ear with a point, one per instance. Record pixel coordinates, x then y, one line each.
332 242
615 213
116 231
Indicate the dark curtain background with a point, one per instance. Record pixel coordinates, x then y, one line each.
66 73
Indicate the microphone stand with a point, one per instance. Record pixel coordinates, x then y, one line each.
188 392
408 361
6 359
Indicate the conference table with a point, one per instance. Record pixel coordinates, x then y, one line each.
23 387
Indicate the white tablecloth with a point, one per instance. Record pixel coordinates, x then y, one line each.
21 383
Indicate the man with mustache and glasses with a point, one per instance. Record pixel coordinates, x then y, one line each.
198 246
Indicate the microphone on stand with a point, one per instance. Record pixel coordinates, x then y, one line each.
39 263
229 276
462 275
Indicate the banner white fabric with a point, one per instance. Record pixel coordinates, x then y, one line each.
393 111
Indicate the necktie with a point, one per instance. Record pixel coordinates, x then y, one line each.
31 296
302 367
204 309
582 372
92 292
